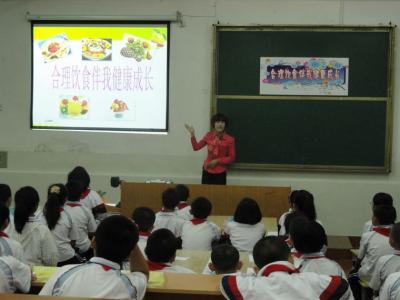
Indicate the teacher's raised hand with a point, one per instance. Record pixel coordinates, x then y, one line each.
190 129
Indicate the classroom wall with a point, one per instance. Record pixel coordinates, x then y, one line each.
41 157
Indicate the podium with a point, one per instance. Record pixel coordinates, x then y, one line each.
273 201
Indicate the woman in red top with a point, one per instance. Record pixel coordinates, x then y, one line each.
220 147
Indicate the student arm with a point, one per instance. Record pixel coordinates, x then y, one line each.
138 263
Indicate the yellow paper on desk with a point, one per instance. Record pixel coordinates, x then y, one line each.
43 274
156 279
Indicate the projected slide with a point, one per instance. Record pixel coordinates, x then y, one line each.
100 76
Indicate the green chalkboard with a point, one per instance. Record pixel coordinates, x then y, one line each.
349 132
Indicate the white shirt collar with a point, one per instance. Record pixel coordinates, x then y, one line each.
105 262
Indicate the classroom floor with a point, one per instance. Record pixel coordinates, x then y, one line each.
339 250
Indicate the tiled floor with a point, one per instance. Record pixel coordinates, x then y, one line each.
339 250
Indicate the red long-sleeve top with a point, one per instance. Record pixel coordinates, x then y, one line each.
222 149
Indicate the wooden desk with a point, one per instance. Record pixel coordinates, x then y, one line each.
36 297
269 222
273 201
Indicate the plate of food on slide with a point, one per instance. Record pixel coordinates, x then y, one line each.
119 108
96 49
74 107
55 48
137 48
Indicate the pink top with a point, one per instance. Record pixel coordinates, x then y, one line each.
222 149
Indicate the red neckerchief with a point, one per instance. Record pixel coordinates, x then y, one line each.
278 268
296 254
73 204
3 234
144 233
153 266
61 209
85 193
382 230
196 221
182 205
105 267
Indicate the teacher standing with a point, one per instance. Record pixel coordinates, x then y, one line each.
220 150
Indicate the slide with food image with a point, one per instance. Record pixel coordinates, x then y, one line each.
100 76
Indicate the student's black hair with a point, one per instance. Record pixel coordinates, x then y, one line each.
218 117
385 214
225 258
201 208
161 246
26 203
307 236
116 236
247 212
304 202
395 235
183 192
289 218
75 189
382 199
144 218
56 197
4 215
270 249
5 193
80 174
170 198
292 196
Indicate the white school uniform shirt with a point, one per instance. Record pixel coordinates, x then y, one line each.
385 266
83 218
198 234
99 278
367 226
168 267
9 247
281 222
318 263
373 245
169 220
143 236
244 236
14 275
38 243
183 211
91 199
280 280
391 288
64 232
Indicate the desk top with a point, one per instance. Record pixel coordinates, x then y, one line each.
36 297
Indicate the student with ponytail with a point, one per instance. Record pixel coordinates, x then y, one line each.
59 221
35 238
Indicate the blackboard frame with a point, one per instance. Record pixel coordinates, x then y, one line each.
218 98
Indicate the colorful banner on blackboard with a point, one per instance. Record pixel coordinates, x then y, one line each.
304 76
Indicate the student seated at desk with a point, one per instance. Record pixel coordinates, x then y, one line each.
14 275
246 227
309 238
60 222
199 234
115 239
225 259
5 200
183 209
144 218
89 198
167 217
35 238
278 279
281 222
378 199
387 264
373 245
8 247
82 217
161 252
391 288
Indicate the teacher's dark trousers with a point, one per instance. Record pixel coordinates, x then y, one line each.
210 178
